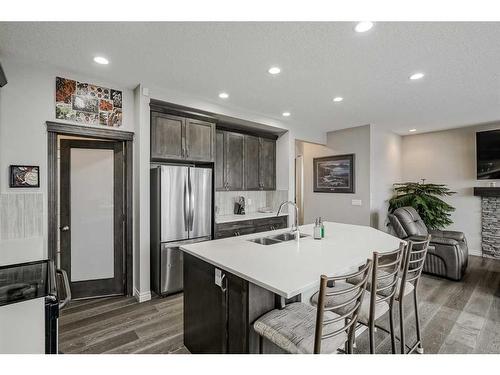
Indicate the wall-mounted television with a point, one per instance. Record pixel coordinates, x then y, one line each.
488 155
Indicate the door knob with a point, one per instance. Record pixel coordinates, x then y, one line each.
64 229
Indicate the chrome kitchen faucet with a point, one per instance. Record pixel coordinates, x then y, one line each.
295 228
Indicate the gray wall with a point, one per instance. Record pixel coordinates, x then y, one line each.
449 157
385 171
336 206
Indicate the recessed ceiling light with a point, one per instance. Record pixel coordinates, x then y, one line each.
416 76
274 70
412 130
338 99
363 26
223 95
286 114
101 60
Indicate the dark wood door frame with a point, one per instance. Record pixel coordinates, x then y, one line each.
103 286
53 130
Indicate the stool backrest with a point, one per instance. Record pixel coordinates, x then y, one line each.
350 303
414 260
385 274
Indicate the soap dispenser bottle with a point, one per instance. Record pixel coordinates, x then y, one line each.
317 230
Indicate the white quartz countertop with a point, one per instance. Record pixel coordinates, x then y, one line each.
250 216
293 267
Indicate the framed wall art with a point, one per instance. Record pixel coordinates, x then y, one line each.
24 176
334 174
88 104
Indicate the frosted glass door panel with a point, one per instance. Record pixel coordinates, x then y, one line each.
91 177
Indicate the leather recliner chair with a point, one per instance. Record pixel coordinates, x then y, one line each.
447 255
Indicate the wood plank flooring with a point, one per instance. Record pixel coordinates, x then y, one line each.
456 317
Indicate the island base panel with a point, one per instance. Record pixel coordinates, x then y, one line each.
220 321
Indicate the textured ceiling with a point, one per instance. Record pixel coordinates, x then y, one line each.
318 60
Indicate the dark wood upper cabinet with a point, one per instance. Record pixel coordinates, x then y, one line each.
219 161
179 138
244 162
267 164
199 140
233 158
251 162
167 136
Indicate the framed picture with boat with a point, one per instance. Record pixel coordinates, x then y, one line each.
334 174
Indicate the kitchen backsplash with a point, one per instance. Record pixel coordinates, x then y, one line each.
21 215
224 200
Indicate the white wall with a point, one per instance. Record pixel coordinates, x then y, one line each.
386 154
449 157
338 206
142 290
26 102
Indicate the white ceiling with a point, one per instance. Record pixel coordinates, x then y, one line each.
318 61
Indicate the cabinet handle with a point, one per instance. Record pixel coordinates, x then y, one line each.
223 288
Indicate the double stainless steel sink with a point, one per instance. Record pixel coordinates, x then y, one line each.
277 238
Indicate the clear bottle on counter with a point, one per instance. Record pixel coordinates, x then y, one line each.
322 227
317 230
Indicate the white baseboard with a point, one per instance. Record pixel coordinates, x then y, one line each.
142 297
475 252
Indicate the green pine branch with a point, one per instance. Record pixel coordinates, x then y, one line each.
425 199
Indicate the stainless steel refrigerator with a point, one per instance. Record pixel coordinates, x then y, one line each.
181 213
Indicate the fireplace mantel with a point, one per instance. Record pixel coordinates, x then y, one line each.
487 191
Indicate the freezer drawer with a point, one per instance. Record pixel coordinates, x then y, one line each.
171 263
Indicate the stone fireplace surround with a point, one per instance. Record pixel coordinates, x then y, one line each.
490 220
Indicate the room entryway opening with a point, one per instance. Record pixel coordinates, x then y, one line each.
90 196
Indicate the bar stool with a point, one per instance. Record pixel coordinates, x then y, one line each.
301 328
410 276
382 287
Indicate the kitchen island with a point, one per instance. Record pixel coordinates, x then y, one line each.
229 283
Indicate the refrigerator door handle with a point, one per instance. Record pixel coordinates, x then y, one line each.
191 202
186 205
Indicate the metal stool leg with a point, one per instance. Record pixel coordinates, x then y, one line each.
350 340
371 329
393 333
402 326
261 344
419 348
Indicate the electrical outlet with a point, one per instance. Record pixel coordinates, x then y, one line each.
356 202
218 277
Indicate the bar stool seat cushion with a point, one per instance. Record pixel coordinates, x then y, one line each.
364 312
293 329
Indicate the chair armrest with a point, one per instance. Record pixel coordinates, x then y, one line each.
444 241
454 235
417 238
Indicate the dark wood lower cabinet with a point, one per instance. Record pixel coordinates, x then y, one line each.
217 320
240 228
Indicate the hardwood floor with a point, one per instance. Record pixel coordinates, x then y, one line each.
456 317
122 325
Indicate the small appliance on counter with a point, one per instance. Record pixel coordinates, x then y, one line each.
239 206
